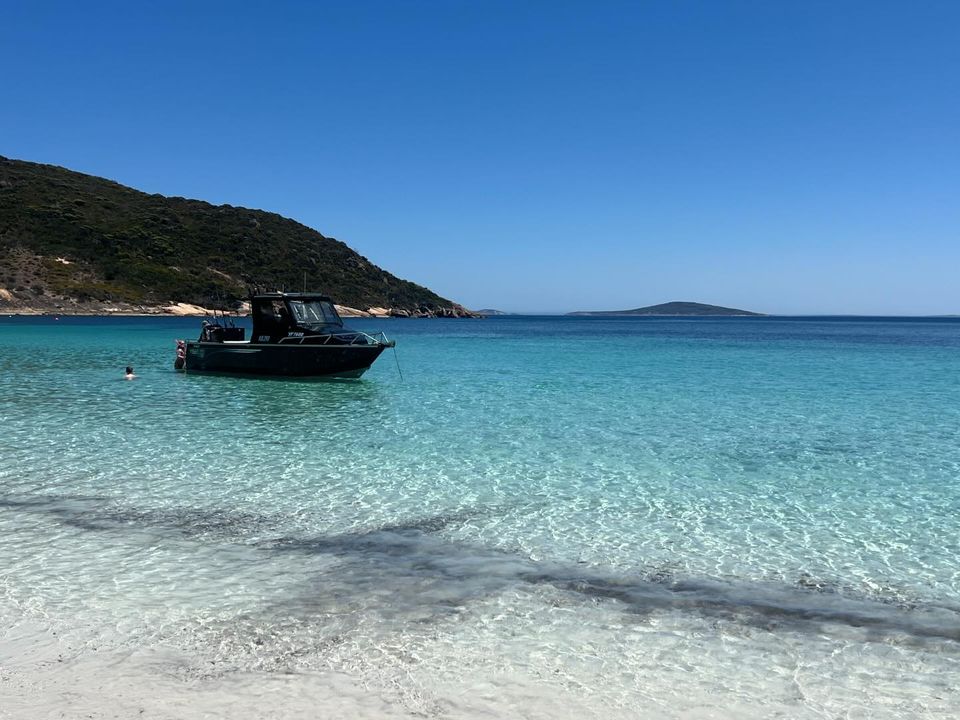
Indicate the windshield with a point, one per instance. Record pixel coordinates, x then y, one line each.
314 312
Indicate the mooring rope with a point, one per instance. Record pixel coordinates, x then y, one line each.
397 360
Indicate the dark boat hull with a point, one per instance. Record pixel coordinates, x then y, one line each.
281 360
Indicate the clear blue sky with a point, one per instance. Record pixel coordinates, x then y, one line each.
799 157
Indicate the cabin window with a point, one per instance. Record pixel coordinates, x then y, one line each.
314 312
270 319
271 309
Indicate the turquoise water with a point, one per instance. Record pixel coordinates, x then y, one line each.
543 517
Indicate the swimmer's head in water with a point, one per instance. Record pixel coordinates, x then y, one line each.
129 370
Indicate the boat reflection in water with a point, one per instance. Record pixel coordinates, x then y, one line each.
294 335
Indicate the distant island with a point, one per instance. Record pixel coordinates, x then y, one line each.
75 243
487 311
672 308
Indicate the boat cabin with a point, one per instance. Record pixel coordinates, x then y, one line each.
292 315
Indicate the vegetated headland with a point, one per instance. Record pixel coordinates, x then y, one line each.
75 243
673 309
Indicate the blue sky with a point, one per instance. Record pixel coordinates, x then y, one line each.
534 156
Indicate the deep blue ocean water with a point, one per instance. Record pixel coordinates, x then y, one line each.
659 517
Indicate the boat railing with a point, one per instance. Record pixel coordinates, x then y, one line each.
355 337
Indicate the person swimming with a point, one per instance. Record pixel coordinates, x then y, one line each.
129 374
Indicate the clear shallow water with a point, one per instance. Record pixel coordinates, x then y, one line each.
544 517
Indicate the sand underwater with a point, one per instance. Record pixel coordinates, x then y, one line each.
544 518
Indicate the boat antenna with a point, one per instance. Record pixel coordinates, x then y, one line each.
304 281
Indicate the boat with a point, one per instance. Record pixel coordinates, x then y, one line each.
294 335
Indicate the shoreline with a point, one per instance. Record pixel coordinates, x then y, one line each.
186 310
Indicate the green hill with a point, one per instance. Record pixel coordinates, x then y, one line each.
672 308
66 236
